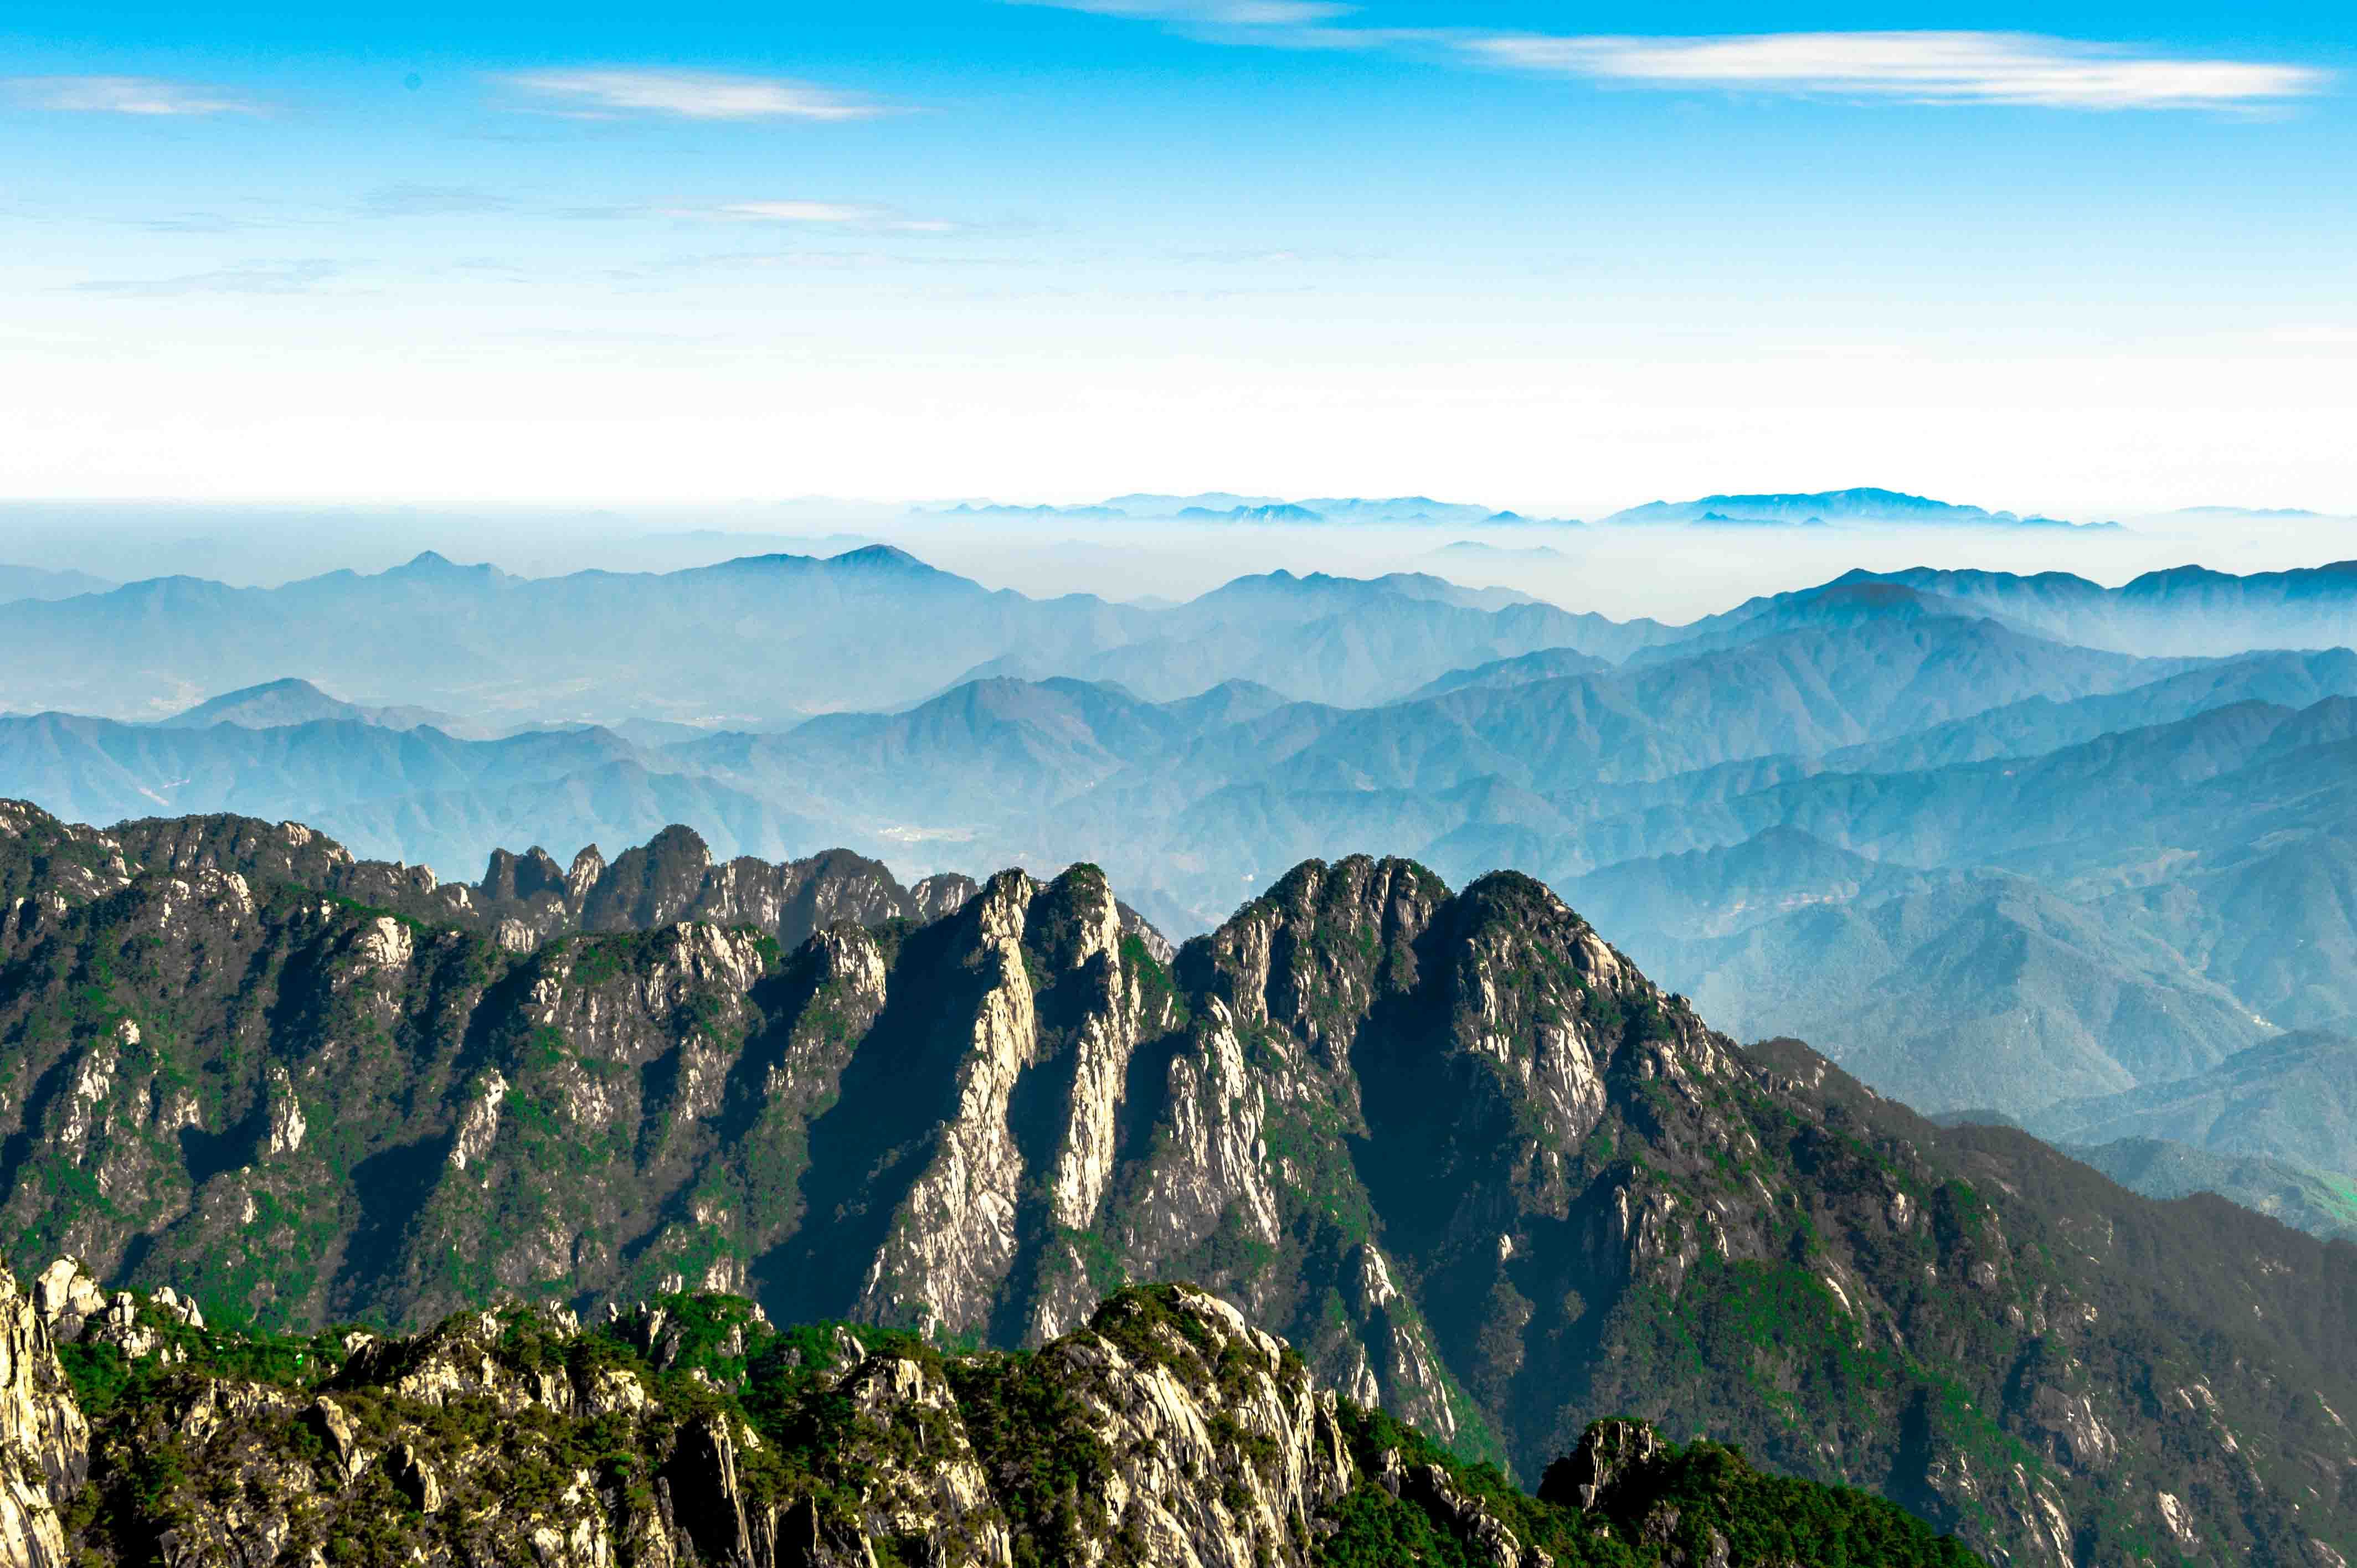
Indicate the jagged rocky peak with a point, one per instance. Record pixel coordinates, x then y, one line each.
1167 1430
1475 1166
511 877
522 901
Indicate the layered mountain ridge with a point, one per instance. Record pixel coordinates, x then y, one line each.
1452 1145
1971 833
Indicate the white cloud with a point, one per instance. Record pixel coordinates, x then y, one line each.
1920 67
1208 13
693 95
253 277
143 95
802 212
851 213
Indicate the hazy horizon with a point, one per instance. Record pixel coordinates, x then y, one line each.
1674 574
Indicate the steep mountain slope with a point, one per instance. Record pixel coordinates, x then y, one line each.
1469 1160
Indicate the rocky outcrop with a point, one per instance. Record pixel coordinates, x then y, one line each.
44 1441
1166 1431
524 900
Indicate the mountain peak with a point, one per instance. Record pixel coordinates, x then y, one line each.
432 566
289 700
1859 504
884 558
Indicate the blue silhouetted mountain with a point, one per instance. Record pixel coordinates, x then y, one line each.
37 583
275 704
1864 505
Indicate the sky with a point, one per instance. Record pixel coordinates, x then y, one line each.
2083 259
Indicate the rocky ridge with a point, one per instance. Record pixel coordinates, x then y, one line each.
1476 1168
1165 1432
524 900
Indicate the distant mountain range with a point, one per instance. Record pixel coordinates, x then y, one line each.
2322 1203
763 641
1831 508
1221 506
34 583
1990 841
755 643
1863 506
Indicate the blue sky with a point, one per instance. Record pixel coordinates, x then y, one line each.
2072 258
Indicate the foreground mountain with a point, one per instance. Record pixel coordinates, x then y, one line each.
1454 1147
689 1430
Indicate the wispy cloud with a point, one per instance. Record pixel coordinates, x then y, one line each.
1208 13
1920 67
2026 69
692 95
143 95
849 214
258 277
